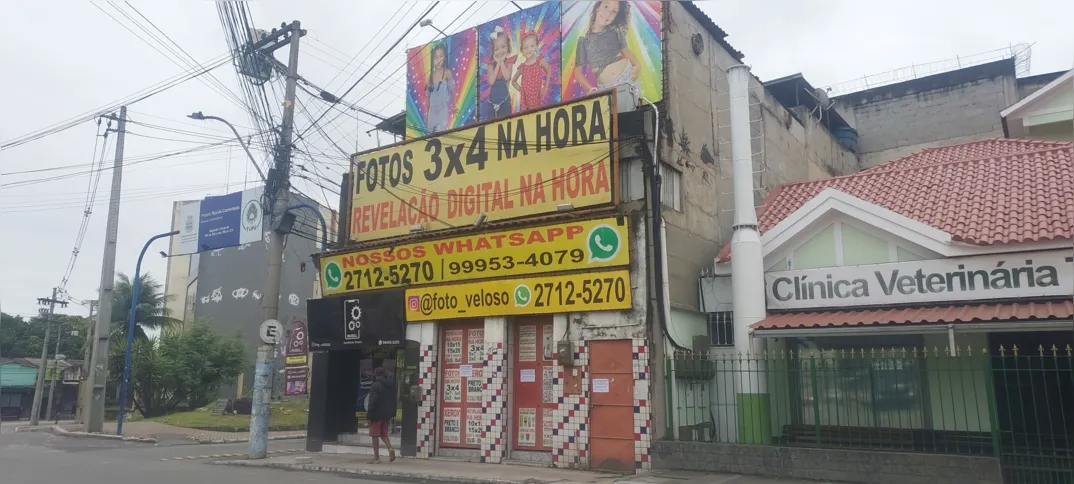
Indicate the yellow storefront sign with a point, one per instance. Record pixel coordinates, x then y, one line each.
592 291
296 360
515 167
585 244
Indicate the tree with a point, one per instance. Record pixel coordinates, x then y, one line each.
178 367
150 312
21 338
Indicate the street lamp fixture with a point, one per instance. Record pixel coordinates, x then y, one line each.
201 117
426 22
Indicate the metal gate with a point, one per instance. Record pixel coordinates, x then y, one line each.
611 376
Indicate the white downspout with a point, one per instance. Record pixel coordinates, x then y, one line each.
747 270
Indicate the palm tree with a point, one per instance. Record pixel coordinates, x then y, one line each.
150 312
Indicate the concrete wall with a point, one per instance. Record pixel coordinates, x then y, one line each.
827 464
695 139
944 109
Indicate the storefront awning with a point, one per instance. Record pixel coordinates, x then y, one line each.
978 317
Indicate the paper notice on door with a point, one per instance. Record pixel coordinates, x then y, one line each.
527 343
466 371
527 375
527 427
473 426
453 346
546 419
600 385
474 387
452 430
452 386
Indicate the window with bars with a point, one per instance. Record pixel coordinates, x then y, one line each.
670 187
721 329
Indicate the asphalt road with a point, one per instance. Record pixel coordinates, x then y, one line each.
43 458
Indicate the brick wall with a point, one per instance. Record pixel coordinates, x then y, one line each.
944 109
828 465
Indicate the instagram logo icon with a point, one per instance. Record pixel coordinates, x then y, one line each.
413 303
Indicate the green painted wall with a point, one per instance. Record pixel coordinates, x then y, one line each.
818 252
13 375
860 248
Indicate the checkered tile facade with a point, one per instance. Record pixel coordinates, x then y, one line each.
643 424
494 438
427 370
570 434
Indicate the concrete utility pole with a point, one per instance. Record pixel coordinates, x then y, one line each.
39 386
56 363
99 368
277 189
87 354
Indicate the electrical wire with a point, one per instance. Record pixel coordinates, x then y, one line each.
91 195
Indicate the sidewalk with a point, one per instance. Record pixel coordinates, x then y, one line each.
446 470
162 432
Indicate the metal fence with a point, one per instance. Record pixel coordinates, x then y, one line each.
1010 403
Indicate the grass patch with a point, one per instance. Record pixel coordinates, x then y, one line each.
283 416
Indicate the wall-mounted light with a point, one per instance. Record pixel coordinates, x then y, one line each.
565 207
481 219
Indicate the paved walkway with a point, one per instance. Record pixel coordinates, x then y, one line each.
164 432
446 470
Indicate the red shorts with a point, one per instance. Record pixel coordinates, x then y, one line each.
379 428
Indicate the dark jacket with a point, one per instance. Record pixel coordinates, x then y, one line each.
382 401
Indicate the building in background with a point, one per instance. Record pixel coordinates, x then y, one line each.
568 384
922 306
224 286
1045 114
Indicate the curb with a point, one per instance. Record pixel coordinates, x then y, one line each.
68 433
235 454
240 441
372 473
47 428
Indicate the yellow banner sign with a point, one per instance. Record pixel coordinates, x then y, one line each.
593 291
530 164
585 244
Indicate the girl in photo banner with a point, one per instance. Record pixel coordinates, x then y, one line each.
500 73
534 73
441 88
603 49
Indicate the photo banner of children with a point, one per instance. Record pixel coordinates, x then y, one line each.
519 62
442 84
607 43
550 53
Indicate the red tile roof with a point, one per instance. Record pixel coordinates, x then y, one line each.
964 313
1009 195
989 148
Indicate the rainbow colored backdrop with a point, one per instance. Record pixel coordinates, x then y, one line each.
643 39
544 19
462 60
559 26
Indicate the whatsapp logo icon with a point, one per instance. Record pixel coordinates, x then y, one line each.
522 296
333 275
603 243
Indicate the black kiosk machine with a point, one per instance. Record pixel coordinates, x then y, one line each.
350 336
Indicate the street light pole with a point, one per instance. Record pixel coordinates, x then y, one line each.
130 331
245 147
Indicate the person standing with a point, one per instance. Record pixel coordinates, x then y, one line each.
380 411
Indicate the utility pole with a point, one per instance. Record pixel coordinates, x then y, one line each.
277 188
52 384
87 354
98 369
39 386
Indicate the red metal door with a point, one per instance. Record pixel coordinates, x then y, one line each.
462 359
532 398
611 376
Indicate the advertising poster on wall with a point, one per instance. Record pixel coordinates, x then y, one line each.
519 62
475 386
527 427
224 221
473 426
452 432
442 84
608 43
296 374
548 424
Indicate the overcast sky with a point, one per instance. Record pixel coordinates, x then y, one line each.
65 59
